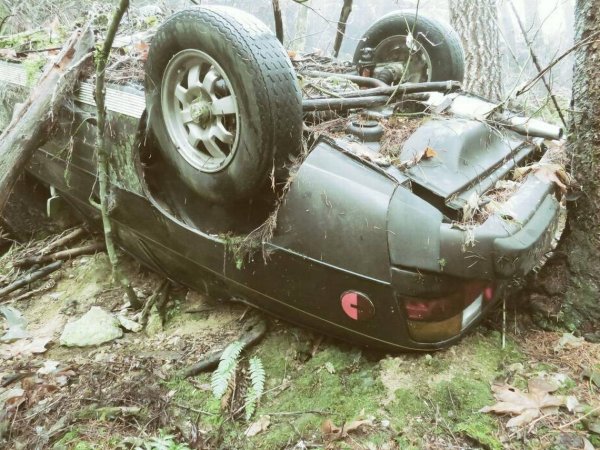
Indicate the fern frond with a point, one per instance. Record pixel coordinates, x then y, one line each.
257 385
227 367
257 376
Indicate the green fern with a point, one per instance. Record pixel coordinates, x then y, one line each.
257 385
227 367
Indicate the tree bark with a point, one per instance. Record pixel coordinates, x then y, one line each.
32 124
582 243
566 294
278 20
476 22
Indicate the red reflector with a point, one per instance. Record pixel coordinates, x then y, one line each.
442 308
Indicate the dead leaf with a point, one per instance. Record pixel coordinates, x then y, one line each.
142 48
332 432
258 426
527 406
24 347
549 172
429 153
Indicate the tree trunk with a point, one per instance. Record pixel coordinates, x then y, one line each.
582 243
341 29
476 22
278 20
567 293
32 124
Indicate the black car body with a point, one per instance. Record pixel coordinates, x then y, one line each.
363 250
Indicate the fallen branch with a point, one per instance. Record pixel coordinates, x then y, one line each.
61 256
77 232
31 277
32 124
253 333
108 412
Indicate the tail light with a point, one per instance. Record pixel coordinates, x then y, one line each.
441 318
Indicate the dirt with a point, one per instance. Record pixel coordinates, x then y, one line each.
128 393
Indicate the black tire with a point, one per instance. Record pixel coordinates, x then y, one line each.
439 41
259 72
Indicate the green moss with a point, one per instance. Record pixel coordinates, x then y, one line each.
459 400
33 68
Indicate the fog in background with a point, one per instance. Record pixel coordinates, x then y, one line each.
549 25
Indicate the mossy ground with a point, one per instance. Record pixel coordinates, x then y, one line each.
413 400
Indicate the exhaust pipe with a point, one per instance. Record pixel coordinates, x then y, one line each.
533 127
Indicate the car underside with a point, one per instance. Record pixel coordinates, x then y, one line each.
372 201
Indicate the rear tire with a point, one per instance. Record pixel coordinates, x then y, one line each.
437 40
223 150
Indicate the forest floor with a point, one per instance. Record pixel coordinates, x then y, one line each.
319 392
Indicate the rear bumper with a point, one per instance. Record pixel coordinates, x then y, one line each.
510 243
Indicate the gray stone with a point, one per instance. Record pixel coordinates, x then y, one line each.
129 324
95 327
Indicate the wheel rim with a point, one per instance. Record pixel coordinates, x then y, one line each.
200 110
408 51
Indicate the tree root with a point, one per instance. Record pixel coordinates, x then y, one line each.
253 332
159 297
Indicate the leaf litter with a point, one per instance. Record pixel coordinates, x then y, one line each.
528 406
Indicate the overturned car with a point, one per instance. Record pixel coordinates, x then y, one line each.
373 201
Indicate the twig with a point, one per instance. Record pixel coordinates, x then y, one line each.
579 419
298 413
31 277
537 64
189 408
535 79
61 256
249 337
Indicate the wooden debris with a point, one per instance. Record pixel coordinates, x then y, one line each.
32 123
253 333
62 255
30 277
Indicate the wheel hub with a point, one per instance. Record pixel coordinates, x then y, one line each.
200 110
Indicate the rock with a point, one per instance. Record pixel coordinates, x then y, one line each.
94 328
129 324
17 324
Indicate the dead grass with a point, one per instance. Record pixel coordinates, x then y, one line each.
397 130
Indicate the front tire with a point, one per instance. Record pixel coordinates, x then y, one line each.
223 101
